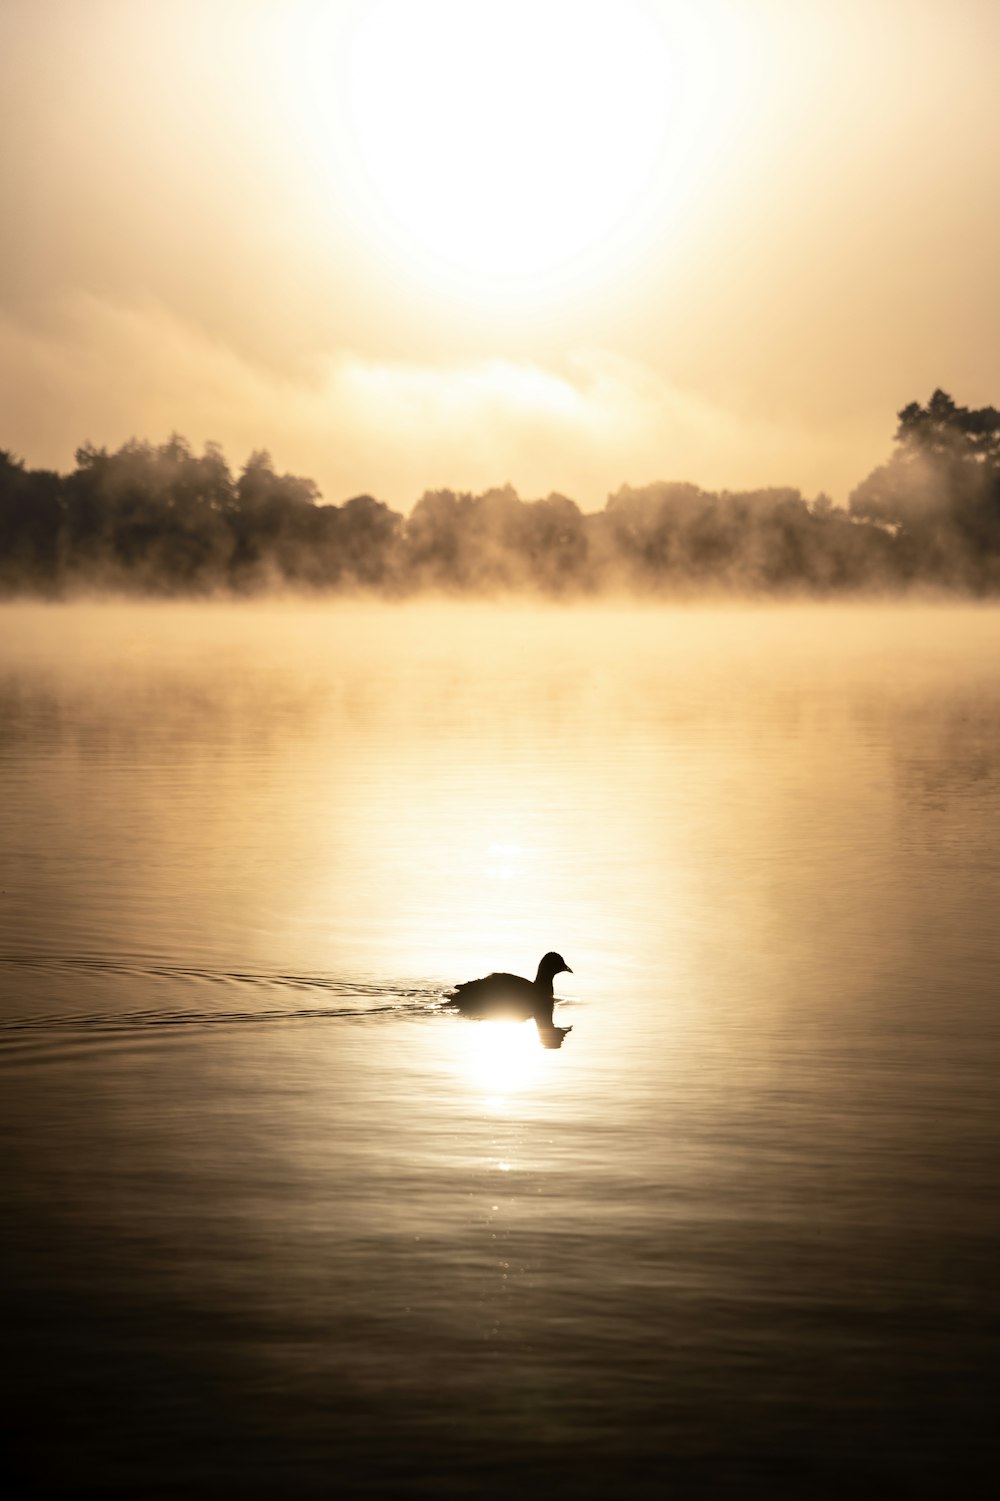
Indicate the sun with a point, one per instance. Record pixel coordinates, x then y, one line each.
513 141
514 152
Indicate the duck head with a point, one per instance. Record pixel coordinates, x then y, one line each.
552 964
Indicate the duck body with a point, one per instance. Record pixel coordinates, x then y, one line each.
497 995
512 996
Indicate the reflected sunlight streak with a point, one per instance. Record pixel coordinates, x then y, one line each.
500 1058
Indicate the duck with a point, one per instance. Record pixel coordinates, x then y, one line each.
502 995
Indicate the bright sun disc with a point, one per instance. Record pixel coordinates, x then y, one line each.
506 140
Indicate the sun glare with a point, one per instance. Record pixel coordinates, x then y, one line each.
505 149
500 1058
517 142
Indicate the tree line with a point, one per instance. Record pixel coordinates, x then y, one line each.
162 519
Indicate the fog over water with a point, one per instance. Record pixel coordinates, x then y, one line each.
277 1223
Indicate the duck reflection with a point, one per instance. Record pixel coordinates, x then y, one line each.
552 1037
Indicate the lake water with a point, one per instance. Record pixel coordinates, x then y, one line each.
275 1224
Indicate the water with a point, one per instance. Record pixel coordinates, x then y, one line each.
276 1224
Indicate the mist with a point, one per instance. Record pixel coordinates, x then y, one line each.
260 1180
163 520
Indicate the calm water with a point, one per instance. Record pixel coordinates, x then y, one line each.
274 1224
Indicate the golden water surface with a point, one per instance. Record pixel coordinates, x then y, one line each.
280 1224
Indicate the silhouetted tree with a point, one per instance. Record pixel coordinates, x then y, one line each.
31 518
366 534
431 539
940 491
273 522
554 544
150 517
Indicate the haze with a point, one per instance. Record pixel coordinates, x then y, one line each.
482 479
276 1223
561 246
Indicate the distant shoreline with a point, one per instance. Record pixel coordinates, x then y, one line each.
165 522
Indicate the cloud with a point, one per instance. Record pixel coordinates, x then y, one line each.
104 371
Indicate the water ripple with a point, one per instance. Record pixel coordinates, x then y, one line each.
40 1034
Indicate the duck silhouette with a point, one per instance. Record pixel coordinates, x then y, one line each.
515 998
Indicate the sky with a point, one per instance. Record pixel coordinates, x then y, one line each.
565 244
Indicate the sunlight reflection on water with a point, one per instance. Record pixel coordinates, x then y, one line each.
500 1059
736 1227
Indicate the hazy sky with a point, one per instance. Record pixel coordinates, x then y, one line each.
568 244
